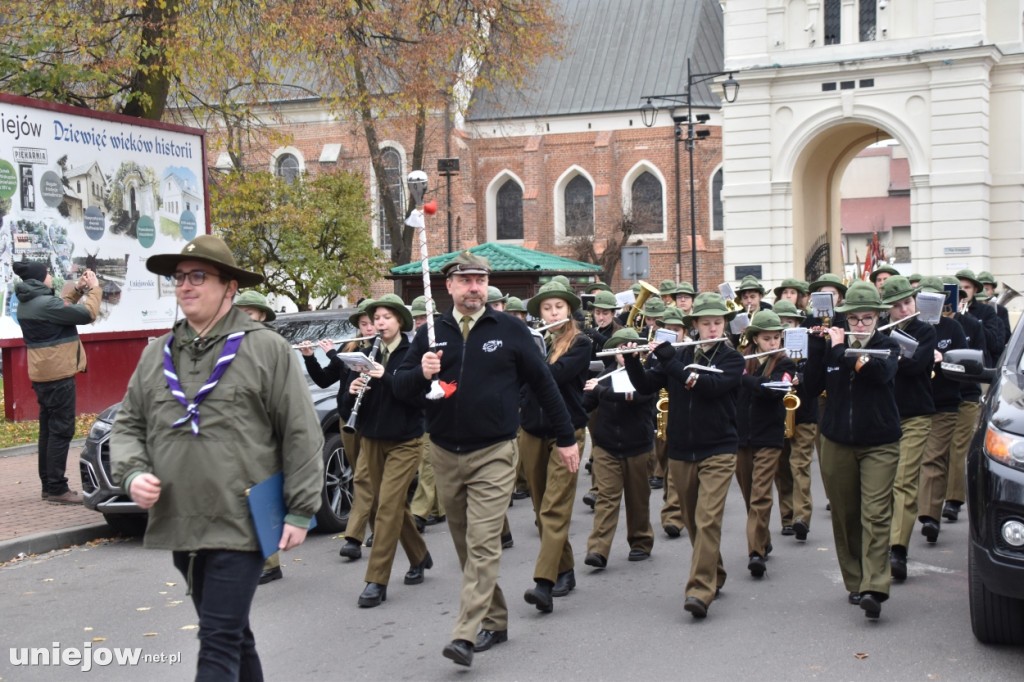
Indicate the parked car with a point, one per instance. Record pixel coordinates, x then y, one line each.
995 493
124 516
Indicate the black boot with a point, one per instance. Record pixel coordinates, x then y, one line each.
540 595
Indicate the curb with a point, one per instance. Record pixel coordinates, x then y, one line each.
40 543
29 448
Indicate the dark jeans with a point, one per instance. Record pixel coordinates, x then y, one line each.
56 429
223 584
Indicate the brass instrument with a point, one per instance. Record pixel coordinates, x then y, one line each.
791 401
1009 293
350 425
662 407
636 312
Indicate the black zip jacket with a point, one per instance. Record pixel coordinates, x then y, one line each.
975 333
861 406
914 377
488 370
326 376
946 392
383 415
625 421
993 327
702 419
760 414
570 374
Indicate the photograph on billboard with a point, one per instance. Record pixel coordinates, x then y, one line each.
81 190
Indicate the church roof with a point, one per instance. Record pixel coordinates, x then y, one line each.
614 52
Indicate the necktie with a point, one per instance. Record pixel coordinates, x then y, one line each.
384 357
465 326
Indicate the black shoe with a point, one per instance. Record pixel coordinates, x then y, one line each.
854 598
638 555
506 541
951 511
351 550
696 607
670 530
488 638
756 565
596 560
898 562
373 595
369 541
540 596
414 576
520 494
787 530
270 575
460 651
564 584
421 523
768 550
871 604
434 520
656 482
800 529
828 506
930 530
590 499
590 465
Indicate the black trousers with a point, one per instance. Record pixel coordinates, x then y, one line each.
56 429
223 583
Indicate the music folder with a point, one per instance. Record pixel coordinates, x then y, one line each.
266 505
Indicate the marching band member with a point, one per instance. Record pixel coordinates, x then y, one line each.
684 296
880 274
426 506
605 324
496 299
760 421
916 407
983 313
989 283
671 511
792 290
516 308
702 438
751 295
667 290
860 444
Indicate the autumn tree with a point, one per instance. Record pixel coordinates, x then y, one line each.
311 239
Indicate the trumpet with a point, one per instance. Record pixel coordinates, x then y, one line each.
350 425
647 348
336 342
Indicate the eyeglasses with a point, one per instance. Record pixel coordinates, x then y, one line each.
195 277
865 321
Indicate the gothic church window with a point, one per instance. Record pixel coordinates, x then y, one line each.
510 211
579 208
646 204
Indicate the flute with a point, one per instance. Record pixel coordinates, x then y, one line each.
761 355
645 349
551 326
336 342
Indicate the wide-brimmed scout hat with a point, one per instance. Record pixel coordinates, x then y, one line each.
883 268
635 288
563 280
494 295
667 287
206 248
598 286
515 305
466 263
418 307
673 315
606 300
915 277
360 311
394 303
654 308
969 275
931 284
254 299
553 289
897 288
828 280
985 277
791 283
765 321
750 283
708 304
862 296
784 308
621 336
685 288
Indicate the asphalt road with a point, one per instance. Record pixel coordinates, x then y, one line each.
625 622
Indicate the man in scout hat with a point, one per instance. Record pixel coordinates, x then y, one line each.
482 357
990 285
216 406
983 313
750 295
880 274
55 356
515 307
667 290
684 296
496 299
916 408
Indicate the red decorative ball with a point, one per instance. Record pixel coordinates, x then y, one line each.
430 208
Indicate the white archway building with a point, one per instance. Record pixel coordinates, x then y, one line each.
822 79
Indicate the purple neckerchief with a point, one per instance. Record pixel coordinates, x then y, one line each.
192 409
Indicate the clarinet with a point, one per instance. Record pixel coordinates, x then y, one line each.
350 425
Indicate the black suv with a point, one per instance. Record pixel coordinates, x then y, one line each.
995 493
124 516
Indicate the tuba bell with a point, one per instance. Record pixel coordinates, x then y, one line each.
1009 293
636 313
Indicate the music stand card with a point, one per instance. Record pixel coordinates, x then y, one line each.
796 342
357 362
725 289
929 304
621 383
823 303
952 301
739 323
908 344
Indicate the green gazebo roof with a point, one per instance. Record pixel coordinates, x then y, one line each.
505 258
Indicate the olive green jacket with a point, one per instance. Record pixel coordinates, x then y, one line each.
257 421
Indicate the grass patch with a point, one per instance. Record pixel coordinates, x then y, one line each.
25 433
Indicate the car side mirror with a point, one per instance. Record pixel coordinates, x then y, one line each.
966 364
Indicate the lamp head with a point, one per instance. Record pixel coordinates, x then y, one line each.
648 113
417 181
730 88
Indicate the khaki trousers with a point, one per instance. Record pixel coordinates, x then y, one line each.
616 479
475 489
935 465
392 466
858 482
755 472
702 487
966 423
908 476
552 487
425 501
671 510
364 501
793 478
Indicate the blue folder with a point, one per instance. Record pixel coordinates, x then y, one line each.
266 504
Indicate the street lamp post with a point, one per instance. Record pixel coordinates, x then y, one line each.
649 112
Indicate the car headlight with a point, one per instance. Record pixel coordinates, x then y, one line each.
1004 448
99 430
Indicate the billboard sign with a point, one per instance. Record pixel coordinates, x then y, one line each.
82 189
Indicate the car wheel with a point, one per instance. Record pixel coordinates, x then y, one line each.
131 525
995 619
336 497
